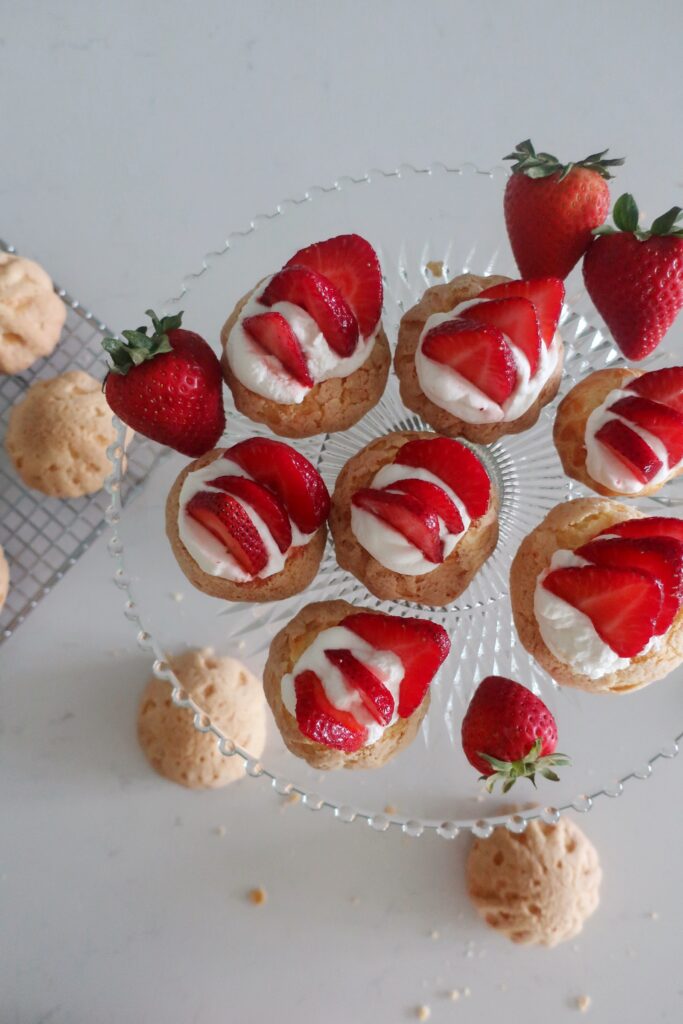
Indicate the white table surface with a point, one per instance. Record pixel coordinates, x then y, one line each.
135 136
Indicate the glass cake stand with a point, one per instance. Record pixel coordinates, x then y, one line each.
428 224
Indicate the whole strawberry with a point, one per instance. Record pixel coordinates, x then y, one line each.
635 277
508 733
167 386
552 208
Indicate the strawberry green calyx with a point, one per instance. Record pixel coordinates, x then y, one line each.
508 772
626 216
139 346
543 165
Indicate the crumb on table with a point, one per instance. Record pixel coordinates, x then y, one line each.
258 896
583 1003
423 1013
435 268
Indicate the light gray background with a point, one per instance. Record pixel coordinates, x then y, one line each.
135 136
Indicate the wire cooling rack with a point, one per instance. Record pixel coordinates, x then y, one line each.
43 537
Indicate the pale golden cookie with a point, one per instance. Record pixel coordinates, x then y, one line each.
232 698
569 431
4 579
442 298
537 887
330 406
300 568
568 526
285 650
58 435
31 314
444 583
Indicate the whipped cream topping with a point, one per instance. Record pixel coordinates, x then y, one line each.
387 545
387 666
263 374
604 466
450 391
569 634
207 550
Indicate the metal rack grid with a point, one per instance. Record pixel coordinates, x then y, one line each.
43 537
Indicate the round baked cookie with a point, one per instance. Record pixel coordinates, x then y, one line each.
569 431
233 699
438 587
537 887
442 298
333 405
285 650
568 526
31 314
300 568
4 579
58 435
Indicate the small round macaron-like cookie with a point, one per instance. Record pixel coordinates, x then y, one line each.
460 409
620 431
232 698
305 351
414 517
58 435
4 579
590 616
31 314
249 523
349 687
537 887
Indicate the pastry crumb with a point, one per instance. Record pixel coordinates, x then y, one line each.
467 992
390 809
423 1013
177 596
290 798
258 896
454 995
653 915
434 934
220 830
435 268
583 1003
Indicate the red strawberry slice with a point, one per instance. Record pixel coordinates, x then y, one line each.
225 518
432 496
321 721
405 514
272 332
630 448
374 694
477 352
294 480
456 465
263 502
622 604
321 300
421 645
660 557
658 419
517 319
665 386
546 293
351 264
651 526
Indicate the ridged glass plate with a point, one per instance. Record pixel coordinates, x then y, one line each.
418 219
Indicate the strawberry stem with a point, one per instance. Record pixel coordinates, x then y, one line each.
543 165
138 346
626 215
526 767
